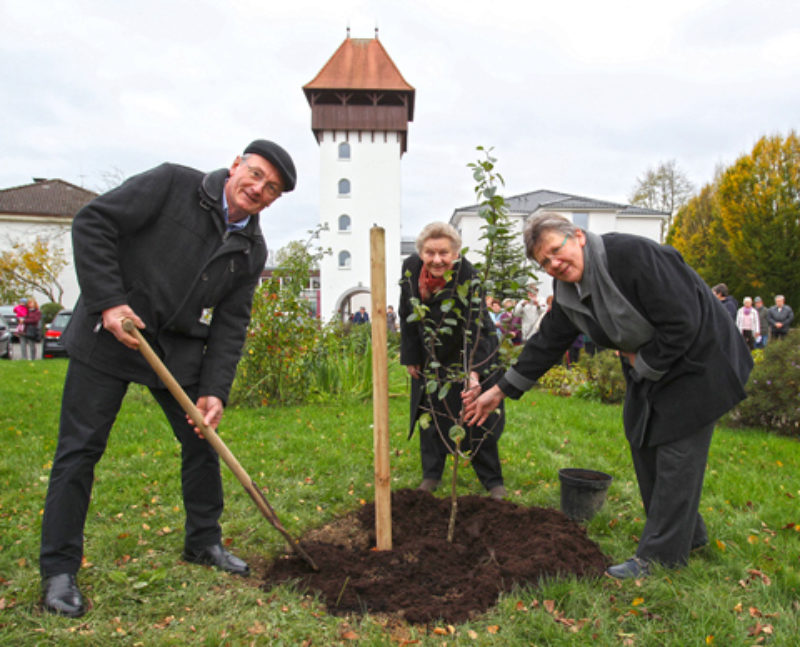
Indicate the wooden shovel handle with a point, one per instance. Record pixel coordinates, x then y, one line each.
213 438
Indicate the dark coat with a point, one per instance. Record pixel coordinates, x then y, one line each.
159 244
696 343
448 352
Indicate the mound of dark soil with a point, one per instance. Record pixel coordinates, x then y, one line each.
424 578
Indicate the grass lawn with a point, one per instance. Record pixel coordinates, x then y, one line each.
315 462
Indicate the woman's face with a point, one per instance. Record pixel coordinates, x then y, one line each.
438 256
562 259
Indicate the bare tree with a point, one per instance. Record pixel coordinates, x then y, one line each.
664 188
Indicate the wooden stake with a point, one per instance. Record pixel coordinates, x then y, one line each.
380 390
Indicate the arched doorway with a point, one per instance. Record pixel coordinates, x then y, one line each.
351 300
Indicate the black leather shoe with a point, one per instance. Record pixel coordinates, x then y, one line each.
62 596
216 555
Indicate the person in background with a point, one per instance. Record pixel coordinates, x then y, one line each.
391 319
748 323
763 324
529 310
438 247
32 333
179 253
21 311
361 316
684 361
720 291
548 305
779 317
510 324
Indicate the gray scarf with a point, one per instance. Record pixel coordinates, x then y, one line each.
620 321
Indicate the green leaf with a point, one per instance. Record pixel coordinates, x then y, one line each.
430 386
444 390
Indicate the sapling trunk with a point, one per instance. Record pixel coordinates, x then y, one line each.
451 525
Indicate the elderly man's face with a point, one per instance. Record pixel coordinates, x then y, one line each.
779 301
562 259
438 255
253 185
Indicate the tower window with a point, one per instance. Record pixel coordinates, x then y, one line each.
344 186
344 222
344 151
344 260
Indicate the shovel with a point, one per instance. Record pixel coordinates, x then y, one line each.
214 440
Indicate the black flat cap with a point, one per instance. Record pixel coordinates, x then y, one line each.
276 156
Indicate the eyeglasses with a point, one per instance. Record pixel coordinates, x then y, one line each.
257 175
545 262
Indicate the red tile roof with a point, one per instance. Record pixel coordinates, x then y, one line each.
45 198
359 64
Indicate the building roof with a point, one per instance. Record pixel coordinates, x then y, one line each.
45 198
359 64
544 199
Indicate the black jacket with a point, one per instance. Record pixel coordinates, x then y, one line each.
448 351
159 243
696 344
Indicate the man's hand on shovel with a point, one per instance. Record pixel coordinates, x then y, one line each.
112 322
211 407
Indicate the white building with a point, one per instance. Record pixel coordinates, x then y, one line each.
597 216
44 209
360 109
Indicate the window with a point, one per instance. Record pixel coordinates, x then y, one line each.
581 220
344 260
344 187
344 222
344 151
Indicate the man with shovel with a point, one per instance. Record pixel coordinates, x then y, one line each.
179 253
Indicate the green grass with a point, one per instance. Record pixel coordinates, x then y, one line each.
316 463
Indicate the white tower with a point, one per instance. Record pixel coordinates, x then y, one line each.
360 109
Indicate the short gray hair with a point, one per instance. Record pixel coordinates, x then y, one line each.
439 230
542 223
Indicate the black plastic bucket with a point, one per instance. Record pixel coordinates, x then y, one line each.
583 492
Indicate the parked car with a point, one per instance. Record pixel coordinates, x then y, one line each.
8 315
5 340
52 346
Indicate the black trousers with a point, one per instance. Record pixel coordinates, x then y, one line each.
671 481
89 406
485 461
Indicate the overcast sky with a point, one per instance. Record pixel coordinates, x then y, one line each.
576 96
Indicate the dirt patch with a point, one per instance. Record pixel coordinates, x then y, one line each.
424 578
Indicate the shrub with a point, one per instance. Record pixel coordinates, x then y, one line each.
773 390
606 381
560 380
281 333
49 311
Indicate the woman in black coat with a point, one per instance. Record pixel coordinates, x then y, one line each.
684 361
430 285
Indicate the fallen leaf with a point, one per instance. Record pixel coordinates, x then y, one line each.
492 629
721 545
350 635
637 601
710 639
549 606
473 634
440 631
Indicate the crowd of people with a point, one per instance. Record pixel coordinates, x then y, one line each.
757 323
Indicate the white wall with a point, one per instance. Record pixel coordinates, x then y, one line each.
375 181
25 229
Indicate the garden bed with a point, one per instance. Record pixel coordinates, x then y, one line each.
497 545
